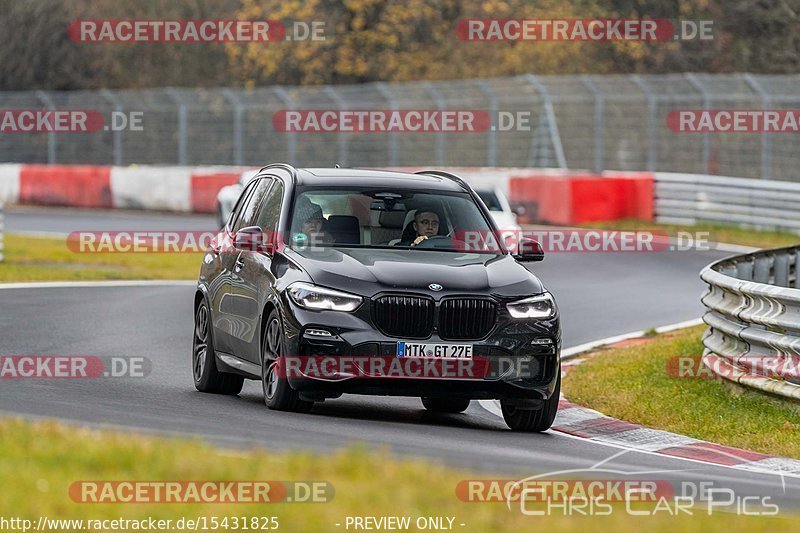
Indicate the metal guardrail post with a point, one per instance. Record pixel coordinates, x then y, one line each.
436 96
52 141
555 137
392 101
491 154
291 142
599 124
116 135
341 158
691 78
173 94
766 148
238 114
652 132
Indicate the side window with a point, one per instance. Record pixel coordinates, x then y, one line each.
271 209
247 217
237 209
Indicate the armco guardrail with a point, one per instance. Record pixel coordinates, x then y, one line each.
697 198
753 316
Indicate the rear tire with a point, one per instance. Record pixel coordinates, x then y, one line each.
445 405
207 378
278 394
533 421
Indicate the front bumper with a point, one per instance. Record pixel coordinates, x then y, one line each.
518 359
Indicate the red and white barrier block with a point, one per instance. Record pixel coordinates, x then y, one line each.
552 196
137 187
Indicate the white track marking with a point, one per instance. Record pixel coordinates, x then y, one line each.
577 350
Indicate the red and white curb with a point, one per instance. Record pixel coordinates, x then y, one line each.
583 423
589 424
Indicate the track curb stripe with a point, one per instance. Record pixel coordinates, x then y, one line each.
584 423
587 424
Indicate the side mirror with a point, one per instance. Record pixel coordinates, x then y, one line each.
253 239
518 210
529 251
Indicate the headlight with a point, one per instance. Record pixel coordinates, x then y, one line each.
541 306
316 298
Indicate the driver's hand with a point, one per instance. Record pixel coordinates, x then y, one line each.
419 240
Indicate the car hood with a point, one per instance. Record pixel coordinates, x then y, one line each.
370 271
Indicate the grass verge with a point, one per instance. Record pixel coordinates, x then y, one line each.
632 383
30 258
716 232
40 460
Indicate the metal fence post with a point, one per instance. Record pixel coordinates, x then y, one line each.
116 135
173 94
491 153
766 144
599 124
392 101
342 136
555 137
291 143
238 112
52 141
440 135
706 107
652 132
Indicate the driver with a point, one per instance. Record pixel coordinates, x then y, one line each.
425 224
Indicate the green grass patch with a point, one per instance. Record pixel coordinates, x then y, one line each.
30 258
40 460
632 383
716 232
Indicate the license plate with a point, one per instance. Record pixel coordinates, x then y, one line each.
442 351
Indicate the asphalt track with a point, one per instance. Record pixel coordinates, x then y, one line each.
600 295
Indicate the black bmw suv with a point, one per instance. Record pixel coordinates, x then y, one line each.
332 281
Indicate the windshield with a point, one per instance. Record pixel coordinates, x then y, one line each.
388 219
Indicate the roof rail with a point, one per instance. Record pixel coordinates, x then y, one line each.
443 174
283 166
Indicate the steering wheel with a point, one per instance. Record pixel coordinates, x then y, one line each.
437 241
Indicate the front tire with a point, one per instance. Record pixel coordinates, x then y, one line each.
533 421
204 362
445 405
278 394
